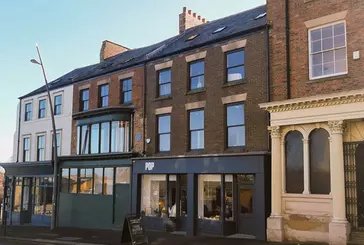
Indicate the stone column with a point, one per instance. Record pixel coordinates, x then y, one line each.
275 221
306 167
339 228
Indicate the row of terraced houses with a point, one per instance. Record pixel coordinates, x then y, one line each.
251 124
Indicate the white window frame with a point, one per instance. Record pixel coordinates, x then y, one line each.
44 134
310 56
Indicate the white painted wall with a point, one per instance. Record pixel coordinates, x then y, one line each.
37 126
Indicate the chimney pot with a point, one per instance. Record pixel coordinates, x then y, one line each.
199 17
203 20
189 11
194 15
184 9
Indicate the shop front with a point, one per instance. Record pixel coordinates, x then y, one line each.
222 195
31 193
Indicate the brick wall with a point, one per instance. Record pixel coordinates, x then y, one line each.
109 49
301 11
114 100
254 86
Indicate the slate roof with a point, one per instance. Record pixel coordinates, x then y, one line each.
236 24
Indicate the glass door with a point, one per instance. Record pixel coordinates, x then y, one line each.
245 186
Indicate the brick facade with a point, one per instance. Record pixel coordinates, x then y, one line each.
300 12
215 88
114 100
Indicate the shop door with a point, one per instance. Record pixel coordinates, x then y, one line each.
359 161
26 209
121 205
245 200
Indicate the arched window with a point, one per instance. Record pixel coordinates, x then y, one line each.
294 162
319 162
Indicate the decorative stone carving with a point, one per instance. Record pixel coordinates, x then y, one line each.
336 127
275 131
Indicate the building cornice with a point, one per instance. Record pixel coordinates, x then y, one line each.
348 97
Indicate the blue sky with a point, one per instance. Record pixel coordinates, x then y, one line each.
70 33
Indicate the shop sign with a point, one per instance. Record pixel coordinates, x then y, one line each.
149 166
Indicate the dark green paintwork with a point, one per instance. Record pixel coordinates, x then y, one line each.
111 117
97 163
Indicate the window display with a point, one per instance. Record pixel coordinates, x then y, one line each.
209 196
229 200
153 196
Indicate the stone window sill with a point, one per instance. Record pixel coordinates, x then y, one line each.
325 79
163 98
196 91
234 83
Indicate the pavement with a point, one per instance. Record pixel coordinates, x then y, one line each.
76 236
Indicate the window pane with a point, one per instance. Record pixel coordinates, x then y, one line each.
294 162
196 119
95 138
245 179
165 76
209 196
327 32
153 196
127 97
85 94
114 135
104 90
316 46
236 73
319 162
86 179
197 68
317 59
246 200
328 56
108 181
58 143
327 43
329 68
165 89
73 180
235 115
164 142
183 195
105 101
197 139
339 41
229 203
65 181
127 85
105 137
197 82
78 139
85 105
339 29
164 124
340 66
316 35
122 175
340 54
85 139
236 136
235 58
98 180
317 71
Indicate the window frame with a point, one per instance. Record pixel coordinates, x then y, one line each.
42 109
101 97
28 114
310 70
28 150
60 143
238 125
82 101
158 134
57 106
226 68
195 130
159 84
39 149
123 92
199 75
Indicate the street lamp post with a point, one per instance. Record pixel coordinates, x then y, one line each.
54 144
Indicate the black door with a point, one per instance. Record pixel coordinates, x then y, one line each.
359 161
245 189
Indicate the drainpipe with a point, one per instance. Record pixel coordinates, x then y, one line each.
144 105
288 61
268 78
19 121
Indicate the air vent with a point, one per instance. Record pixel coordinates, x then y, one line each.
128 60
192 37
219 29
261 15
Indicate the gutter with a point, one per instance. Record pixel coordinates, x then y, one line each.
19 121
288 59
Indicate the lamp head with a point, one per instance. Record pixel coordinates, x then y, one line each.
34 61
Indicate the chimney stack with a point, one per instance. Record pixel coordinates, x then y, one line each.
188 20
109 49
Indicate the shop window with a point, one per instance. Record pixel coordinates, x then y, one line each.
209 197
319 162
98 180
172 195
17 194
122 175
65 180
294 162
183 194
108 181
42 196
73 180
235 123
153 196
229 198
85 181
